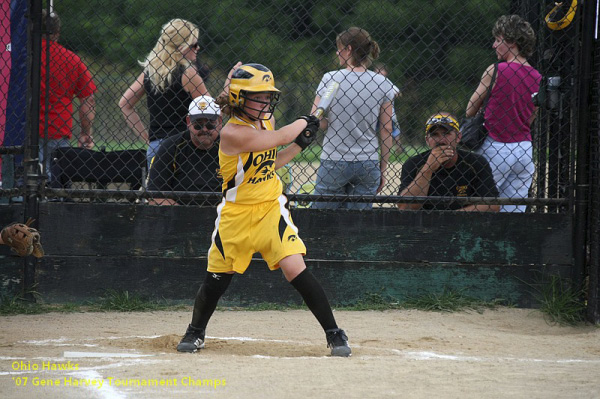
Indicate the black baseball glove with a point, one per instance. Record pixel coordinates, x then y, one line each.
309 134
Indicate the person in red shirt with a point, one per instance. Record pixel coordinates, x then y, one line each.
63 77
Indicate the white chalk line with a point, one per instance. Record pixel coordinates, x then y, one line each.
106 391
102 355
289 357
61 340
248 339
425 355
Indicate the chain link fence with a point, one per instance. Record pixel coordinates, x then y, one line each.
103 117
593 261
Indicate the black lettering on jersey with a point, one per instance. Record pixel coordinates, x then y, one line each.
263 168
262 157
264 163
259 179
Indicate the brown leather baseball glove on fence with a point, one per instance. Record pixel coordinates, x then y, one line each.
22 239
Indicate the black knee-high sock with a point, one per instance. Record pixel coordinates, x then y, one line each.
214 286
316 300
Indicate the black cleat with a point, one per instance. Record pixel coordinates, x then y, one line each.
192 340
337 340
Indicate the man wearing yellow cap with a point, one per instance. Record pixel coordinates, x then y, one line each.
446 171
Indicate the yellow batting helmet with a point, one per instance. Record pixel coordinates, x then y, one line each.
252 78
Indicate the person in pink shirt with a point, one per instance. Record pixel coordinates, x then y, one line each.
510 110
68 78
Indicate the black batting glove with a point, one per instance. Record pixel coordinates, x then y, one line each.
311 120
309 134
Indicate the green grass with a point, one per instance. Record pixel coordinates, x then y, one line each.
373 301
560 302
18 305
451 301
448 301
124 301
258 307
12 303
67 308
111 301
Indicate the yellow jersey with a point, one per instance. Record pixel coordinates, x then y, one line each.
249 177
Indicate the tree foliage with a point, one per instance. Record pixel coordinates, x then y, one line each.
436 50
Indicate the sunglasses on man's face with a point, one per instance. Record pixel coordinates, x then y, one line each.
439 132
207 125
442 119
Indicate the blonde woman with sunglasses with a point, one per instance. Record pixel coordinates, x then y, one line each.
170 81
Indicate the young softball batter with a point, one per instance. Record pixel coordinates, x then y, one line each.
254 215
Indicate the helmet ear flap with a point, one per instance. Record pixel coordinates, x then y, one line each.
237 99
233 99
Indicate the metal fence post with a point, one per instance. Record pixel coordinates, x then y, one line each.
31 178
582 177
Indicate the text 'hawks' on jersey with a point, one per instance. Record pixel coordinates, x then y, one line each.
249 177
264 162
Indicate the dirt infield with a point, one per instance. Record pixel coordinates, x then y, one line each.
272 354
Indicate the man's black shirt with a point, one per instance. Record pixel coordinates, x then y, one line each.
471 176
180 166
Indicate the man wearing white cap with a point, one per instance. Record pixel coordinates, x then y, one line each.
189 161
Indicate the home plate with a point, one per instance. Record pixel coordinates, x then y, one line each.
101 354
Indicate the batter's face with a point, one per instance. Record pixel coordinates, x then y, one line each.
204 132
257 105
